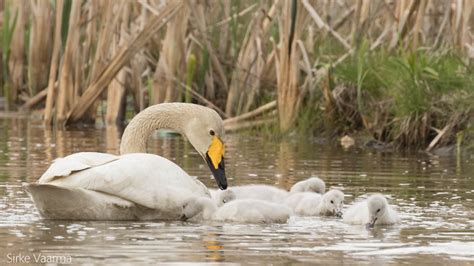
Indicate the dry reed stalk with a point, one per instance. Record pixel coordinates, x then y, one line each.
48 112
200 19
344 18
467 22
66 74
321 24
17 48
247 76
97 86
224 40
116 88
417 31
293 20
112 133
40 45
403 22
444 23
38 98
105 37
252 114
360 20
171 64
137 66
91 35
249 124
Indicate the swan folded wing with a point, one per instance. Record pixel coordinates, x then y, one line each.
63 167
146 179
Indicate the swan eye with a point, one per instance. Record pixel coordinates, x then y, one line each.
332 202
211 132
378 210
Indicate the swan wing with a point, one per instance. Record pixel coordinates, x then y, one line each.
63 167
145 179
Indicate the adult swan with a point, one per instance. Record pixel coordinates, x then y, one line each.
134 185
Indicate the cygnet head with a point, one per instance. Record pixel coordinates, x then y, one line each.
195 206
225 196
332 202
377 207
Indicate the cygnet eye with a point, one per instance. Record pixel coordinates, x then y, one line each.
378 210
211 132
332 202
224 201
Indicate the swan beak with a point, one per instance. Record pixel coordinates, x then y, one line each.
215 161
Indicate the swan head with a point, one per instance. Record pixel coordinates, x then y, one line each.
333 201
224 197
377 205
201 125
205 130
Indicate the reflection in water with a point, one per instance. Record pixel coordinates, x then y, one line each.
434 196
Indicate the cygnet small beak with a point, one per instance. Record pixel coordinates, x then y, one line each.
372 223
183 217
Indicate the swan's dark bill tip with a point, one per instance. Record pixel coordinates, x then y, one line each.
219 173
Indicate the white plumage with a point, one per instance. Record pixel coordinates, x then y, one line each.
312 184
134 185
374 210
313 204
260 192
240 210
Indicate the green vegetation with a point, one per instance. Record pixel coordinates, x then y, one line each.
396 71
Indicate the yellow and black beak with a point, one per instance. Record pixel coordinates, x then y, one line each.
215 161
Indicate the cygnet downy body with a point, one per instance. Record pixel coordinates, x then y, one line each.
221 197
312 184
313 204
260 192
372 211
242 211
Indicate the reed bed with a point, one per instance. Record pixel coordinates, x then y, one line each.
400 71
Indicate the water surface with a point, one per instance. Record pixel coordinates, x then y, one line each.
434 196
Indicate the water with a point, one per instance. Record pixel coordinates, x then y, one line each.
434 196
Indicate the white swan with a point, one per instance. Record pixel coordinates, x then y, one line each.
241 211
313 204
312 184
372 211
260 192
134 185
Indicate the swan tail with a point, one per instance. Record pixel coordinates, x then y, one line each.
67 203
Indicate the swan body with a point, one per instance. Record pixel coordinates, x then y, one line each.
314 204
134 185
240 211
312 184
372 211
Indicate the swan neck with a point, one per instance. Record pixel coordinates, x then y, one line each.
137 132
